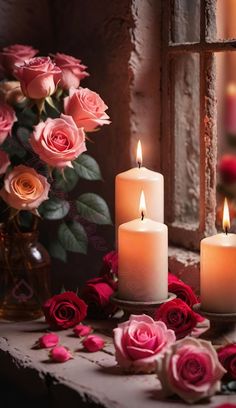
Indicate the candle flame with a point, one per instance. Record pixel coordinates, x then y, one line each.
142 205
231 88
226 217
139 156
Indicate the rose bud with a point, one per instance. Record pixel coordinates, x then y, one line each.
96 294
93 343
227 357
47 341
81 330
60 354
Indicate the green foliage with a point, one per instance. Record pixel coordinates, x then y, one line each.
57 251
87 168
93 208
73 237
65 181
54 209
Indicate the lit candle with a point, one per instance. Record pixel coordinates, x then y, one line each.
230 109
143 259
218 270
129 185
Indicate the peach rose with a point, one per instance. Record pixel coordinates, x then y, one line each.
38 77
24 188
86 108
10 92
15 54
58 141
7 119
140 343
72 70
4 162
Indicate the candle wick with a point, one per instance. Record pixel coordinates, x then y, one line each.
139 164
142 215
226 230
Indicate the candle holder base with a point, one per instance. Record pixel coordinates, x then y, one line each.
222 328
132 307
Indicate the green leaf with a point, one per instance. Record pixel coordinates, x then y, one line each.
24 134
93 208
54 209
67 181
51 103
57 251
73 237
87 168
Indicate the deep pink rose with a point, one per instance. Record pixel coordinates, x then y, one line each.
227 357
58 141
178 316
64 310
7 119
96 294
24 188
60 354
72 70
48 340
191 369
110 267
140 342
93 343
38 77
81 330
15 54
227 168
86 108
4 162
181 290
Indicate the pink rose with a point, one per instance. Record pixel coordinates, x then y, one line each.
140 342
38 77
86 108
227 168
72 70
227 357
4 162
93 343
24 188
48 340
58 141
190 369
60 354
81 330
96 294
7 119
181 290
15 54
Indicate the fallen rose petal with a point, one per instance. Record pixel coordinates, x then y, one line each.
60 354
48 340
93 343
81 330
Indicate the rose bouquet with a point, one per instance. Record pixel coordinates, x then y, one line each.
44 118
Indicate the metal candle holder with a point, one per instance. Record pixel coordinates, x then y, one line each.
133 307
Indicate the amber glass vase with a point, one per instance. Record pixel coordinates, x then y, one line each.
24 275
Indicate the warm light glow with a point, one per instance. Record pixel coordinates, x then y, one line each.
142 205
231 88
226 217
139 156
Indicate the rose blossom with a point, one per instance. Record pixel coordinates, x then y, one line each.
178 316
72 70
7 119
140 342
60 354
227 168
191 369
64 310
38 77
227 357
4 162
48 340
96 294
110 267
14 54
86 108
24 188
181 290
93 343
58 141
81 330
10 92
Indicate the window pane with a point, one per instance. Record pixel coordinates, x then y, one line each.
225 19
186 135
185 21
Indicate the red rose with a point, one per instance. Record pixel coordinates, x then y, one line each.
15 54
227 357
181 290
64 310
109 269
227 168
178 316
96 294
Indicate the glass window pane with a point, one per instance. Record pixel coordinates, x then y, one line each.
186 136
185 21
225 19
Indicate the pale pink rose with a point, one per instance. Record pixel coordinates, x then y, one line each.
93 343
190 369
87 109
7 119
58 141
60 354
38 77
140 342
72 70
81 330
4 162
15 54
48 340
10 92
24 188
